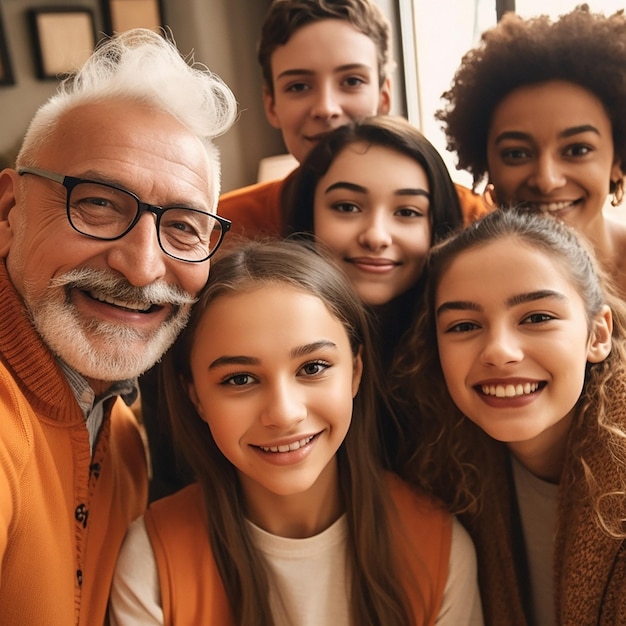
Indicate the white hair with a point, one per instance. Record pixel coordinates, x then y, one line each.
141 65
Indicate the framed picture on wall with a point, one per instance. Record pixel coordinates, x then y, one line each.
63 39
121 15
6 71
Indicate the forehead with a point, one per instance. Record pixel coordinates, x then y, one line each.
356 159
325 46
501 269
553 105
146 150
272 318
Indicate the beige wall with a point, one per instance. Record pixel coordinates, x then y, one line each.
223 35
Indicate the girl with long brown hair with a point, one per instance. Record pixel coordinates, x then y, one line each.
270 390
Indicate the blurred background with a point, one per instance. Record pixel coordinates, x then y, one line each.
429 41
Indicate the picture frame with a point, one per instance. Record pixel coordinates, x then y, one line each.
6 68
122 15
63 39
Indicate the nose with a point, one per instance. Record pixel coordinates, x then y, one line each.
376 233
284 406
138 255
327 104
547 176
501 347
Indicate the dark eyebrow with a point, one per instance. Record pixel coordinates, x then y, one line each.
360 189
312 347
346 185
458 305
534 295
299 351
233 360
411 192
304 72
568 132
576 130
466 305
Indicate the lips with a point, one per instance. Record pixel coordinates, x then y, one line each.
373 264
326 130
317 137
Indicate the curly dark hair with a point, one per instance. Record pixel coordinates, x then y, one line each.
581 47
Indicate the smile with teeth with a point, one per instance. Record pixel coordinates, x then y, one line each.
296 445
553 207
509 391
141 308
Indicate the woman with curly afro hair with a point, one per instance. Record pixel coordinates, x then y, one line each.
537 110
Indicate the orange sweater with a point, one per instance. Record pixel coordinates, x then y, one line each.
63 513
191 588
256 210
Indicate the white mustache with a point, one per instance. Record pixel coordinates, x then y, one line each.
102 283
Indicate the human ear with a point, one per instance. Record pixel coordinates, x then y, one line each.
269 104
8 186
384 101
617 182
617 173
357 372
600 339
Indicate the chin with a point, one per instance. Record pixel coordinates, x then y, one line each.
375 299
111 364
106 352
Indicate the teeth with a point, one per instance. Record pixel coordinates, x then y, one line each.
552 207
288 448
125 305
509 391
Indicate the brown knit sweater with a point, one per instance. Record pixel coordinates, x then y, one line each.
589 564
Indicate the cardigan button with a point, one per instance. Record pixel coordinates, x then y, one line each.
79 577
81 514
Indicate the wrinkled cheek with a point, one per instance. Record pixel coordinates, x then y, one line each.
39 298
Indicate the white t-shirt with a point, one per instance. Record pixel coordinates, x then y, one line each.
306 571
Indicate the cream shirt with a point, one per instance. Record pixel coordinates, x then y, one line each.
538 501
311 587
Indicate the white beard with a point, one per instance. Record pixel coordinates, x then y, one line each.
106 350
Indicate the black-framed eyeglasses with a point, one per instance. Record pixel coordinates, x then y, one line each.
106 212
